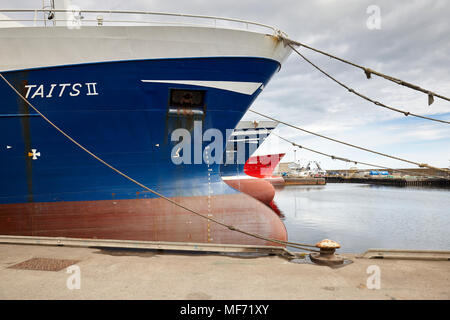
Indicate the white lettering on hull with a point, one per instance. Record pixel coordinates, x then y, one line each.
60 90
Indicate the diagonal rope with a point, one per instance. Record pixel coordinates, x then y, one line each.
406 113
421 165
230 227
369 72
353 161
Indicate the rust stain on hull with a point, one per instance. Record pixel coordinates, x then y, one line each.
24 109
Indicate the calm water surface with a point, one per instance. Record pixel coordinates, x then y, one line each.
361 216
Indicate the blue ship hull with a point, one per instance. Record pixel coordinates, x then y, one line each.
108 109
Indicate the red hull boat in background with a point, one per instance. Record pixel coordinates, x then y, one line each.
258 180
263 167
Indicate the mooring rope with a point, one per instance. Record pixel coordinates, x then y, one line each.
421 165
353 161
368 72
230 227
406 113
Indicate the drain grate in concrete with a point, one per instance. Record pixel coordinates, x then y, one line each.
44 264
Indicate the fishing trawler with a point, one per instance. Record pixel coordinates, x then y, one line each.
121 87
252 175
246 138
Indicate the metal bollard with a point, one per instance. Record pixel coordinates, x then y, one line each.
326 256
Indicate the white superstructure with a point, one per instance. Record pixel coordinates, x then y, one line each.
37 46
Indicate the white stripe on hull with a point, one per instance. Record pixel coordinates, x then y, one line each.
236 86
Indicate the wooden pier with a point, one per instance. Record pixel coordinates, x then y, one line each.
306 181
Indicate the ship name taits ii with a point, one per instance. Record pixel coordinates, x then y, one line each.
60 90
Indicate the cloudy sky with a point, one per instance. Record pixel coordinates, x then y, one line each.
412 43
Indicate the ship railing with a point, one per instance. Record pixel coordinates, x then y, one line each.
79 18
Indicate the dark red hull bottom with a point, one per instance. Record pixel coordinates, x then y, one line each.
146 220
256 188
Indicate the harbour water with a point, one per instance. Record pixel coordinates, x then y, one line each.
361 216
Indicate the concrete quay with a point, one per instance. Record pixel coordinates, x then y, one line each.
154 274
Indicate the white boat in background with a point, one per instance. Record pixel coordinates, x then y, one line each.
310 169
